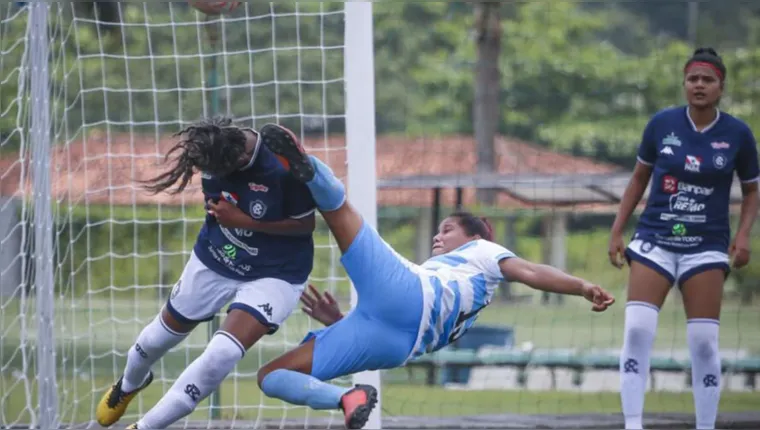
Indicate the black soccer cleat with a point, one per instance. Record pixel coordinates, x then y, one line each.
357 405
289 151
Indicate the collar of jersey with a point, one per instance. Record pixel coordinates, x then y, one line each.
255 149
709 126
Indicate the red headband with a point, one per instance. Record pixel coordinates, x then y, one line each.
704 64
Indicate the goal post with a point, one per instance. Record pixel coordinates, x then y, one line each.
89 107
42 284
360 139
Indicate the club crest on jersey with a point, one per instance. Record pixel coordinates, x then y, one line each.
720 145
693 163
258 209
258 187
671 140
719 161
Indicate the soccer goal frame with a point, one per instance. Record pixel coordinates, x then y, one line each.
360 141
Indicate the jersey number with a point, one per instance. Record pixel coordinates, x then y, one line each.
459 329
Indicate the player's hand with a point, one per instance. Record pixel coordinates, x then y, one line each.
322 308
598 296
228 215
616 250
739 251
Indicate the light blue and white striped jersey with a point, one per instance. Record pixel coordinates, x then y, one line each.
456 286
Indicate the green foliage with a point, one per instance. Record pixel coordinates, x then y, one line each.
11 74
580 77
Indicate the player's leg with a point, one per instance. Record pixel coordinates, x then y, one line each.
652 273
183 311
354 344
259 307
374 267
328 191
701 280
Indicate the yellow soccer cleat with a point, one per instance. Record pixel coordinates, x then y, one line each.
132 427
114 402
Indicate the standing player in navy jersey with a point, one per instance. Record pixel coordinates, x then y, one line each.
255 250
683 236
404 310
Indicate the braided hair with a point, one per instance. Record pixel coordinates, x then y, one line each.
212 146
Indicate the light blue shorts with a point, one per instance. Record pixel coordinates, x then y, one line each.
381 331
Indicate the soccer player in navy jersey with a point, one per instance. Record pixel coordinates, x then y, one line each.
691 154
255 250
404 309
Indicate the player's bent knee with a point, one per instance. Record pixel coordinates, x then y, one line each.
262 374
266 375
173 324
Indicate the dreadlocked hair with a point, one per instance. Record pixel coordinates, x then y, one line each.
474 225
212 146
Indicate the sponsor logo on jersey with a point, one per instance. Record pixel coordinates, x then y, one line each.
230 197
671 185
671 140
258 187
693 163
720 145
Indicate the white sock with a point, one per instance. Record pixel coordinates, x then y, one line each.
199 380
155 340
702 334
639 333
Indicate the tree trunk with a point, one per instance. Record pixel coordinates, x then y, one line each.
487 88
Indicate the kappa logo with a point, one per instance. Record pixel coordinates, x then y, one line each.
667 150
258 187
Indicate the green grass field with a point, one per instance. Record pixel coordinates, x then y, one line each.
94 335
107 295
241 399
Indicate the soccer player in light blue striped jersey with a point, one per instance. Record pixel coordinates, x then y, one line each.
404 309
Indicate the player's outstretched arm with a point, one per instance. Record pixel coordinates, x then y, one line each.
547 278
324 309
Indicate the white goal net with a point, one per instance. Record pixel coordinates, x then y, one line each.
86 257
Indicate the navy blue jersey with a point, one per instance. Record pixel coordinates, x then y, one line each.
266 192
688 206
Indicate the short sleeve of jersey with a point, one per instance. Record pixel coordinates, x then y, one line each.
211 187
489 255
746 161
297 199
647 153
